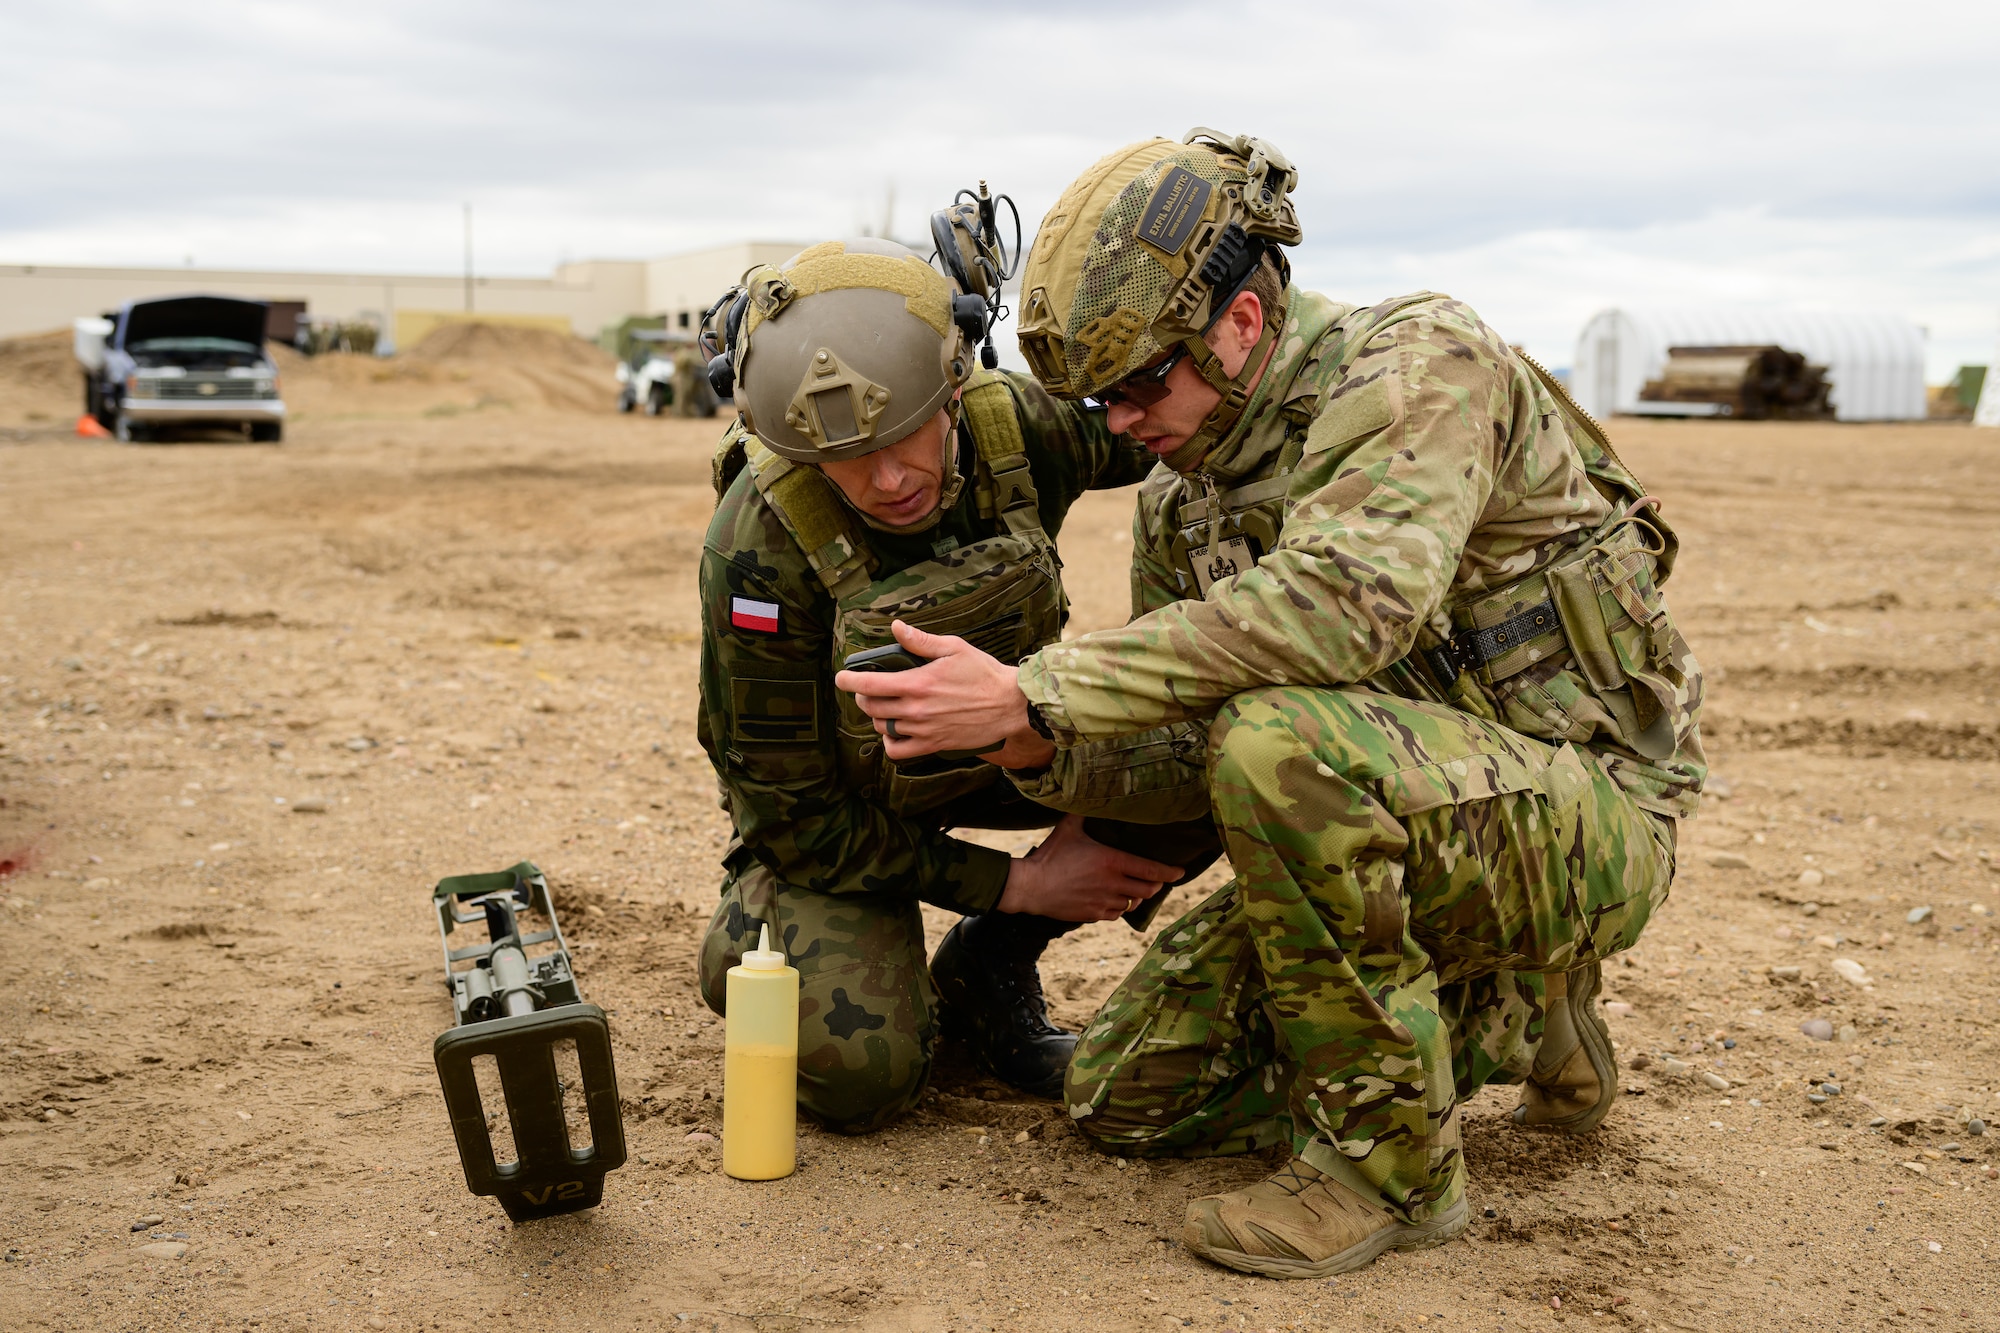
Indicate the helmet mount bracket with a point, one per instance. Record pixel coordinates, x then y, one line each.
835 406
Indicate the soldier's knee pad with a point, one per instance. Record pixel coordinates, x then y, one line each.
1249 734
1258 728
1244 715
861 1101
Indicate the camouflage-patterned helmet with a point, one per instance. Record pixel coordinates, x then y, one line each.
845 349
1145 250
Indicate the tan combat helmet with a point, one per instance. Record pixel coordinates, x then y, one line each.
1144 252
845 349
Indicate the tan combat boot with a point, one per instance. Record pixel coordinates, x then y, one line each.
1575 1079
1300 1223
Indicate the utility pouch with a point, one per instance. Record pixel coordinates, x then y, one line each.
1002 595
1620 639
1575 595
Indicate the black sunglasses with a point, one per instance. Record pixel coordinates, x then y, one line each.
1143 387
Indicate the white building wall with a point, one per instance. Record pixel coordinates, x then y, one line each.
1875 362
685 285
591 295
37 297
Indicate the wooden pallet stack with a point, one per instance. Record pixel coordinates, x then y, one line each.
1763 383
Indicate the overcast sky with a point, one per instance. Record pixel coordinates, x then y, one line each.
1540 160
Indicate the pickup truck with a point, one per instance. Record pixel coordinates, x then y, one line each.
179 361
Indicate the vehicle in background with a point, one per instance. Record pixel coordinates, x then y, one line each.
663 372
180 361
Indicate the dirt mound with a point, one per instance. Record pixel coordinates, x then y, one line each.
508 345
38 378
39 361
457 368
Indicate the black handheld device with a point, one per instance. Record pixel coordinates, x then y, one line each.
895 657
889 657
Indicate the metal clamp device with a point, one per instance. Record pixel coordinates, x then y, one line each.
519 1008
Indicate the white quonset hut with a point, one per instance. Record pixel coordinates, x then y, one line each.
1875 362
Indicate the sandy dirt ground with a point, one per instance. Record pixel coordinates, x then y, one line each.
255 701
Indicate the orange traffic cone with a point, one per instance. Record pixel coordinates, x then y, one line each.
91 428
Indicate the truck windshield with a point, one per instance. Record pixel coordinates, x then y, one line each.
193 345
206 353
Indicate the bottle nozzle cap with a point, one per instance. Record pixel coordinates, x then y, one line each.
764 958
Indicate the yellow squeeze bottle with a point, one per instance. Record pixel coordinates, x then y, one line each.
760 1066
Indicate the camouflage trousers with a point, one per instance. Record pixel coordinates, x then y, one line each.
867 1009
1405 876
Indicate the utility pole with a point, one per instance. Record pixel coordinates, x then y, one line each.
468 258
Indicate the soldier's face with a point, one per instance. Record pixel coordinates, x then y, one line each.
898 485
1165 425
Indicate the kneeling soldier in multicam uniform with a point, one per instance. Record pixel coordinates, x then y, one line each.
1412 597
876 474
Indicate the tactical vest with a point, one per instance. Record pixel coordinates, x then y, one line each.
1003 593
1582 649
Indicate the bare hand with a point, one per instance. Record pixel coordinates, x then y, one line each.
961 699
1073 877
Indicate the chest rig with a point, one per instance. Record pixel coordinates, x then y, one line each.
1002 593
1582 649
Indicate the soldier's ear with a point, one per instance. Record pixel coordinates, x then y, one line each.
1245 317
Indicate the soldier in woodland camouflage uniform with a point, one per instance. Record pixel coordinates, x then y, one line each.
875 474
1410 595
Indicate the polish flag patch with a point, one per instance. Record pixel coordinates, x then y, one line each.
747 614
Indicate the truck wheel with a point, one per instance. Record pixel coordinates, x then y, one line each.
267 432
656 400
626 402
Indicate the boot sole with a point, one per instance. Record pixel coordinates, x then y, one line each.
1596 1041
1401 1237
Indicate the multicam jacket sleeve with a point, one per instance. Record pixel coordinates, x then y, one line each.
768 713
1434 463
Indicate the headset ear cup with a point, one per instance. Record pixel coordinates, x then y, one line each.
732 323
955 232
722 326
722 378
969 313
947 247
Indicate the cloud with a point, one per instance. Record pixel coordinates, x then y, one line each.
1539 159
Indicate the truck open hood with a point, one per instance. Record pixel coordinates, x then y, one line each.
194 317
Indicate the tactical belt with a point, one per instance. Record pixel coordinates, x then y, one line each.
1473 649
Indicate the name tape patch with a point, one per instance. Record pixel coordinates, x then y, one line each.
1177 204
745 613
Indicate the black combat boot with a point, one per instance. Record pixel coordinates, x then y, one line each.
991 990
